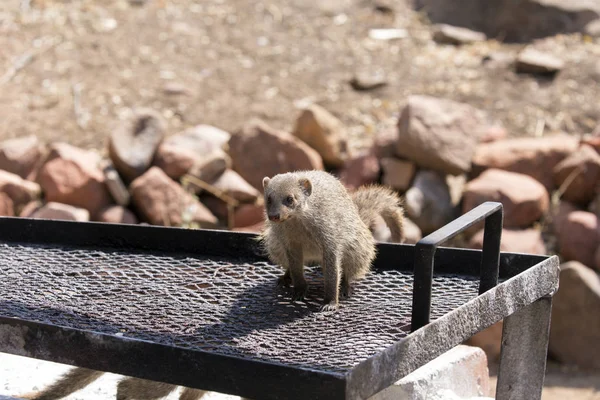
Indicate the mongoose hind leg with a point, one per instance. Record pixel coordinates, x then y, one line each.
285 280
142 389
346 288
331 274
191 394
296 270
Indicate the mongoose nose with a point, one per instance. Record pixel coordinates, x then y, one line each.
274 217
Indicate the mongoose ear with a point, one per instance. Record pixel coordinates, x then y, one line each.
266 181
306 186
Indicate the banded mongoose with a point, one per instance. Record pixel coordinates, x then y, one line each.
311 217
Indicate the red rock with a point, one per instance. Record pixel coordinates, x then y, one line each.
535 157
593 140
235 186
248 215
29 208
524 199
7 208
323 132
439 134
132 146
19 190
258 228
161 201
575 327
580 175
177 154
515 241
73 176
579 237
397 174
116 215
216 206
258 150
61 211
360 171
211 167
560 214
597 259
493 133
385 142
21 156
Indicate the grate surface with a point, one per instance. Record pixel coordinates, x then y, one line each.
213 304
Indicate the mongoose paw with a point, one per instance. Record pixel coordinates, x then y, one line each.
299 292
284 280
346 291
329 307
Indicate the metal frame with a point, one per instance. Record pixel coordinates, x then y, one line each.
522 300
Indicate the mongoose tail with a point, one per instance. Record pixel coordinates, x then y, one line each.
378 200
74 380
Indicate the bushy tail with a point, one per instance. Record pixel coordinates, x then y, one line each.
373 201
74 380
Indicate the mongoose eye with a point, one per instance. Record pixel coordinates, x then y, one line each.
289 200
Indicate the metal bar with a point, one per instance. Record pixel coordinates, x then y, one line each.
425 252
525 337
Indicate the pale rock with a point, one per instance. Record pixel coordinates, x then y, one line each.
59 211
578 175
579 237
18 189
449 34
527 241
397 174
21 156
117 215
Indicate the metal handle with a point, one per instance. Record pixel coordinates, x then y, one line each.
425 249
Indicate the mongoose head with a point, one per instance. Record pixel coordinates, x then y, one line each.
285 196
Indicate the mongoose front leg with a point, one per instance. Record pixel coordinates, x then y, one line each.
331 275
285 280
296 270
346 289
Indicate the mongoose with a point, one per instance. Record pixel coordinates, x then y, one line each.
311 217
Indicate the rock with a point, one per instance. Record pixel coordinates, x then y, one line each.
525 200
179 153
258 228
575 328
258 150
161 201
21 156
462 371
515 241
235 186
368 80
532 61
248 215
412 233
175 89
597 259
514 21
489 340
360 171
493 133
530 156
449 34
28 209
73 176
580 173
323 132
7 208
19 190
385 142
53 210
593 140
398 174
115 185
132 146
439 134
579 237
117 215
428 202
561 214
211 167
216 206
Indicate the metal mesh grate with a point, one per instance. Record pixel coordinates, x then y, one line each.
214 304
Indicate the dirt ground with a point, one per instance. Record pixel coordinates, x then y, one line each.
70 70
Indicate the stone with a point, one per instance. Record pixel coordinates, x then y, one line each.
593 140
561 213
525 200
514 21
211 167
216 206
115 185
28 209
359 171
368 80
322 131
73 176
53 210
21 156
7 207
489 340
18 189
527 241
132 146
116 214
192 148
257 228
463 371
161 201
258 150
575 328
231 183
493 133
594 206
412 233
428 202
532 61
530 156
456 35
439 134
580 175
397 174
579 237
385 142
248 215
597 259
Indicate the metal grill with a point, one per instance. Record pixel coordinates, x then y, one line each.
214 304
